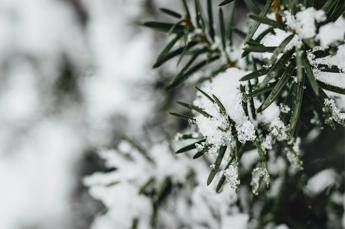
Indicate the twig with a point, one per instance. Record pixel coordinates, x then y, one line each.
276 5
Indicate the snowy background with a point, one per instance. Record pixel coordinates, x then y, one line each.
73 73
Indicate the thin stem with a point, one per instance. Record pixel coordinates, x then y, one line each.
276 5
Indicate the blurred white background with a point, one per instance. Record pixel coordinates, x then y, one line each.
72 73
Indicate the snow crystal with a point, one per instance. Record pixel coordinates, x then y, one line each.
231 175
199 147
267 143
259 174
293 155
278 130
303 23
337 115
296 145
284 108
294 159
212 129
246 132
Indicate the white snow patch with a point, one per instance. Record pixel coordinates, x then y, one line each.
331 32
304 21
321 181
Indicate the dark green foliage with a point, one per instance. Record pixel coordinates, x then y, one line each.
276 91
189 147
219 159
165 27
195 108
225 2
171 13
287 77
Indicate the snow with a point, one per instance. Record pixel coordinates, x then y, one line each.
38 175
129 205
239 221
226 88
259 175
231 175
277 165
246 132
336 114
118 191
284 108
215 136
117 70
278 130
267 143
335 79
38 146
336 59
320 181
41 140
294 160
206 202
270 114
43 137
303 23
273 40
332 32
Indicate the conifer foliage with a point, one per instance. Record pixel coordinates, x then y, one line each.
279 73
267 87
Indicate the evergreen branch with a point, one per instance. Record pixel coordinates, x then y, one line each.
267 21
297 104
215 169
202 152
165 26
195 108
225 2
171 13
310 75
276 91
333 88
173 54
186 74
189 147
255 25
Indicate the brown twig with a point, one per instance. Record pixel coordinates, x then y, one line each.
276 5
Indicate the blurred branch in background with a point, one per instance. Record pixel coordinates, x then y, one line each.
66 88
